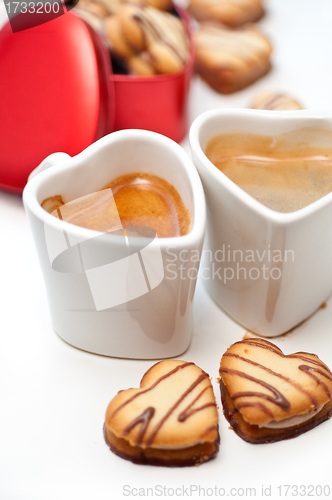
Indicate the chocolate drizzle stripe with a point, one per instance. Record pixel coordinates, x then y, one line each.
266 345
279 375
271 101
137 394
143 419
182 417
308 369
187 412
276 350
176 404
279 398
317 362
144 21
273 348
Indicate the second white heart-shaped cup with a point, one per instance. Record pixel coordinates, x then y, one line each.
268 270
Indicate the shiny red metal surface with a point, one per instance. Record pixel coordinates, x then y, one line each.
58 93
54 95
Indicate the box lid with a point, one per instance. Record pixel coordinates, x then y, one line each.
56 94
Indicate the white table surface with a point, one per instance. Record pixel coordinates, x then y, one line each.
53 397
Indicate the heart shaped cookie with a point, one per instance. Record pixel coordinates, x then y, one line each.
170 420
230 60
268 396
274 101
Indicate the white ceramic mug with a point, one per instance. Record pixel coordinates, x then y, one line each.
137 306
295 248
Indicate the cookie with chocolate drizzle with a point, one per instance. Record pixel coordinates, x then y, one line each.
155 42
230 60
171 420
275 101
268 396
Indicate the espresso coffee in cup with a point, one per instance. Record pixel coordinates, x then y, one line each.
282 172
109 293
266 269
136 199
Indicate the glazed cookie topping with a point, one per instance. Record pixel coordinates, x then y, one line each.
170 420
230 60
232 13
268 396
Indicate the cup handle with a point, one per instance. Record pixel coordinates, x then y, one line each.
49 161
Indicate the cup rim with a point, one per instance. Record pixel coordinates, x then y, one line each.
208 167
35 184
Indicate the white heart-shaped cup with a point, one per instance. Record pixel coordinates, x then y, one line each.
294 248
109 293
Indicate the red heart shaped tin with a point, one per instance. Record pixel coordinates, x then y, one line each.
59 94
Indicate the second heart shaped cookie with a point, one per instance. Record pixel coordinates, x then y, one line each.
170 420
268 396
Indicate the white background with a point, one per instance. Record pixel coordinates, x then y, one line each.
53 397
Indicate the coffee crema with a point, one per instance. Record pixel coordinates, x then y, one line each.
284 173
140 200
